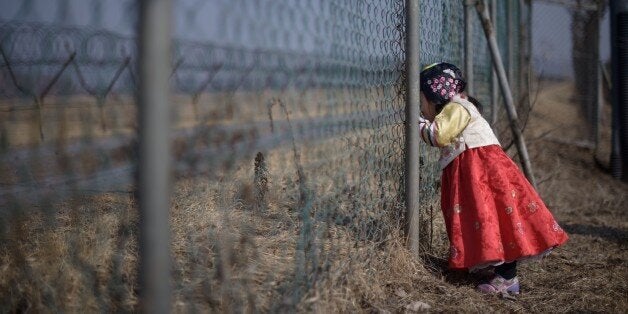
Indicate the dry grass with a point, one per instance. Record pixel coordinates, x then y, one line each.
81 256
70 260
68 118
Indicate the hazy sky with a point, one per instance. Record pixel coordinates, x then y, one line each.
211 20
552 39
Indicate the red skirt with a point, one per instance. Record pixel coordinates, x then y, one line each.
492 213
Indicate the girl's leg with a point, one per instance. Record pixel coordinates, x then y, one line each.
507 270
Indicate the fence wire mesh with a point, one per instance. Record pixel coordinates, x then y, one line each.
287 148
572 55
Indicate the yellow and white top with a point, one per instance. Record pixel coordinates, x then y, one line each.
457 127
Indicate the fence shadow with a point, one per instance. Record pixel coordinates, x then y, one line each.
612 234
438 266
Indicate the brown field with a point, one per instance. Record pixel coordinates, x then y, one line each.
74 117
235 253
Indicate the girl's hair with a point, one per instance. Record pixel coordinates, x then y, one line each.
476 103
440 82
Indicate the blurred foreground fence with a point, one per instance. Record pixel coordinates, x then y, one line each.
287 141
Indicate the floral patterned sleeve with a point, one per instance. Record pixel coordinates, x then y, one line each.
447 125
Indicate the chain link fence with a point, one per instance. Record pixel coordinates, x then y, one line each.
572 49
288 150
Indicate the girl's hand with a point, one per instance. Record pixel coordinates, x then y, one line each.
423 120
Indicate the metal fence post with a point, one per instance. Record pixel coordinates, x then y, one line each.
594 103
412 124
599 103
468 45
495 82
511 47
619 61
525 26
153 166
524 51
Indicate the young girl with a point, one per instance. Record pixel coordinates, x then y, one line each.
493 216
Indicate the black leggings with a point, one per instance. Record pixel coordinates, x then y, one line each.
507 270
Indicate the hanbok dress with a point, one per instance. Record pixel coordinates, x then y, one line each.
492 213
